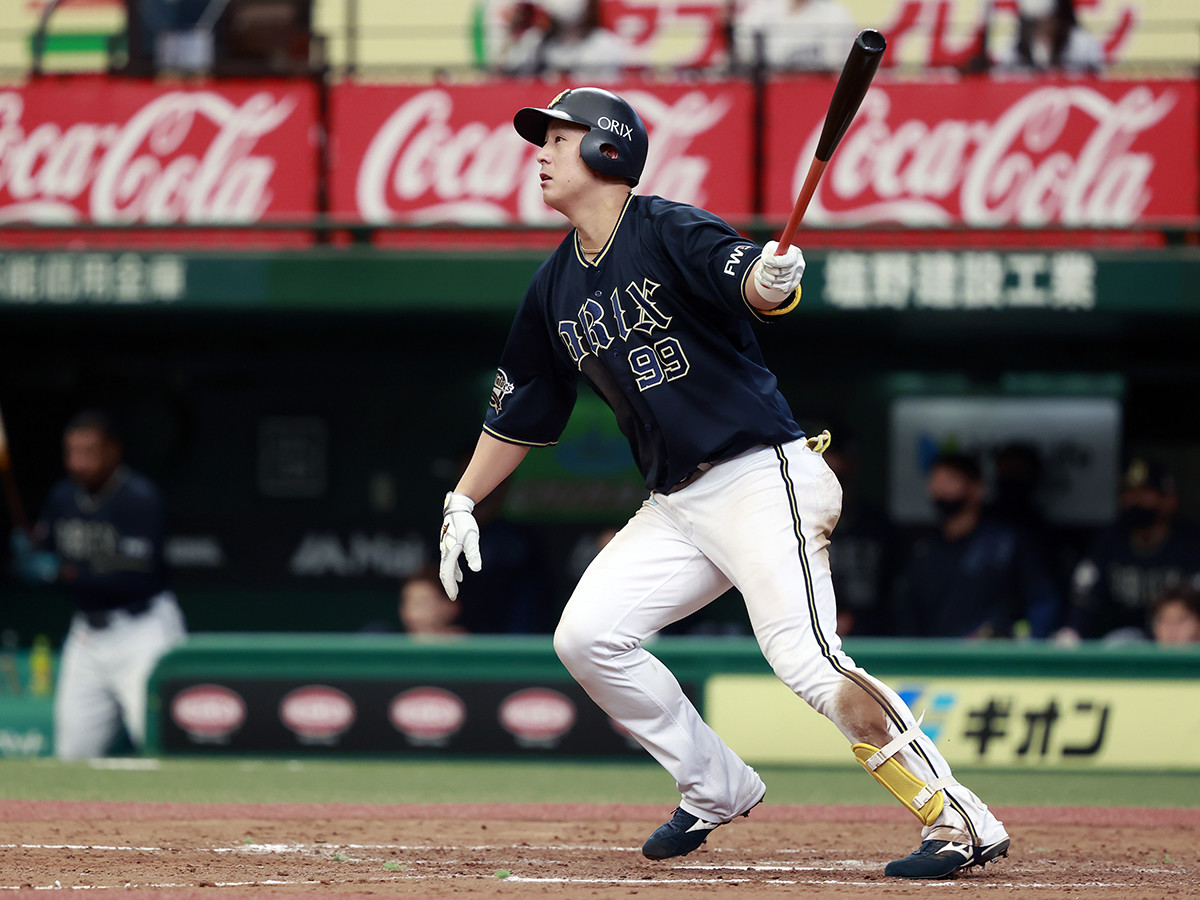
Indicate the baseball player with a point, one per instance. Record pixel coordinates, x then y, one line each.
651 303
104 525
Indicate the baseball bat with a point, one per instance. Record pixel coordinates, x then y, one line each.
10 485
848 95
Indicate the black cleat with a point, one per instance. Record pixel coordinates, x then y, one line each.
681 835
678 837
941 859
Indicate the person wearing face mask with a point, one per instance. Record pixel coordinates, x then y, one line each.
1146 551
974 576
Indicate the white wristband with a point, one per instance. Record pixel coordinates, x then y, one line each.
457 503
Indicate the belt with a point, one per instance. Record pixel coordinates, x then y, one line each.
689 478
817 443
102 618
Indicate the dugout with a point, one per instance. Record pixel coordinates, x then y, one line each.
303 415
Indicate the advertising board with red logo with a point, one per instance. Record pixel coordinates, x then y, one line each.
981 152
992 153
519 718
119 151
449 154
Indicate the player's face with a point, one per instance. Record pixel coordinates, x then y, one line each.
948 484
90 457
564 175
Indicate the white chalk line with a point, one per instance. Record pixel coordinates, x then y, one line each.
314 848
325 850
792 882
268 882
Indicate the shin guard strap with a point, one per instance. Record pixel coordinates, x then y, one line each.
892 747
928 792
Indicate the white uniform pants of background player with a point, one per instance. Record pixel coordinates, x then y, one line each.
103 675
761 522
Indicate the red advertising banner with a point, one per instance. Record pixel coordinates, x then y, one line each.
449 154
1001 154
114 151
981 152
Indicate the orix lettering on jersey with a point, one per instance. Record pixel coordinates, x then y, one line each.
98 543
599 322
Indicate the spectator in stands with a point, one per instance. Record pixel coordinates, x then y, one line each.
1175 616
1049 37
562 37
974 576
795 35
1133 561
425 609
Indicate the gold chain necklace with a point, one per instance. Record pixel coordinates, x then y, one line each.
590 252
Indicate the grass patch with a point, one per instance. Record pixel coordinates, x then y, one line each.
324 780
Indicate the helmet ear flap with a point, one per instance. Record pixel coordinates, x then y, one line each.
591 148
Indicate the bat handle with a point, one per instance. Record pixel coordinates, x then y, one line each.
806 193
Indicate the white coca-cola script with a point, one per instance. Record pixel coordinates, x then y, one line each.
424 166
185 156
1057 155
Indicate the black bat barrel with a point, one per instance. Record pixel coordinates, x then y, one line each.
851 88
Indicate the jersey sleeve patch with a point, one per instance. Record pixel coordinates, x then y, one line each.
502 387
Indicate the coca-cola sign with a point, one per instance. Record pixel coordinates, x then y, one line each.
116 151
991 153
450 154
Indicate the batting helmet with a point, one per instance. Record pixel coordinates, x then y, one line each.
611 122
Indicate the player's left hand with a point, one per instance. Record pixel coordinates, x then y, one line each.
777 277
460 535
29 565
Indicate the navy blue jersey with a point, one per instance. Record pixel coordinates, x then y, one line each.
659 326
1115 584
113 539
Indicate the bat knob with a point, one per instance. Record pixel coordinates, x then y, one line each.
871 41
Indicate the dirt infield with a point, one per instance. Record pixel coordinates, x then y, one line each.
516 851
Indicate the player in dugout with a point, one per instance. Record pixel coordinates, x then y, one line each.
100 539
651 303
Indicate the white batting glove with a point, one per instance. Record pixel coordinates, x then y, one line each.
460 535
777 277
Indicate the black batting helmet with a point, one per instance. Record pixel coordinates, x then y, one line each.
611 122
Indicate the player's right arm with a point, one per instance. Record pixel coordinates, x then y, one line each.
492 462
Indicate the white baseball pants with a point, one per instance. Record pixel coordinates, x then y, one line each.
103 674
760 522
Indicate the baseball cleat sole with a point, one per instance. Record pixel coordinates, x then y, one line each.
941 859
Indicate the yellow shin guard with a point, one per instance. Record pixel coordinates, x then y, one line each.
922 798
